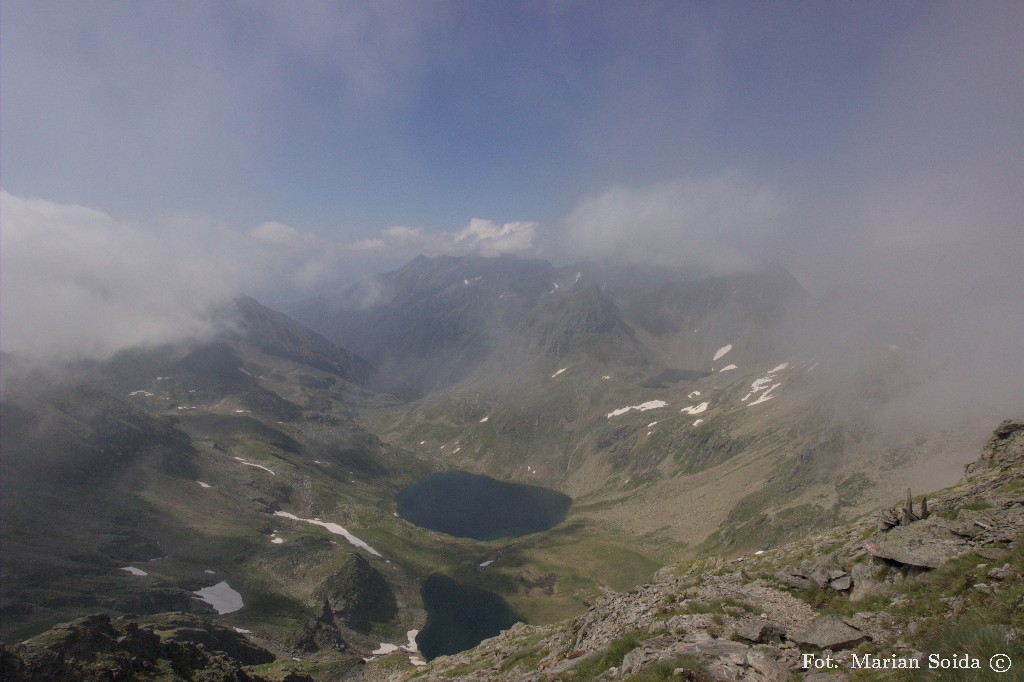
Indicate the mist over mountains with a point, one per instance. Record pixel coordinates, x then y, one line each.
709 278
680 411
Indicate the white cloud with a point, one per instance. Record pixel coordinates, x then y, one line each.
485 238
279 234
74 281
480 238
721 221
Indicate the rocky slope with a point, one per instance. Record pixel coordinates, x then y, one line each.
130 486
174 647
944 590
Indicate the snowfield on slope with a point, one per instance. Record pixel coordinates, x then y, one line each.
642 407
765 384
695 409
253 464
221 597
334 528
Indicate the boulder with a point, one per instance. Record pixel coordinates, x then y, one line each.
925 544
768 667
829 632
637 659
719 648
1005 572
864 582
759 631
791 578
841 584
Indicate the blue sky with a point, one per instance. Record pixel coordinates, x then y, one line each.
351 117
286 148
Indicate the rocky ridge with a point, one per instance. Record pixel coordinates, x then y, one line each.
100 647
892 595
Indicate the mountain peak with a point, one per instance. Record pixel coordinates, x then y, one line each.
583 320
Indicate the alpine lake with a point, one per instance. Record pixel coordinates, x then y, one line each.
462 504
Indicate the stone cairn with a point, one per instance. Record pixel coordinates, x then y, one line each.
902 516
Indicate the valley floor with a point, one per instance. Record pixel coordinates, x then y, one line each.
927 599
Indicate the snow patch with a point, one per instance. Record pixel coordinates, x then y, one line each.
642 407
606 377
692 394
143 393
559 372
487 563
484 419
722 351
695 409
334 528
765 397
204 485
651 424
277 540
762 384
410 648
133 570
221 597
727 368
243 631
253 464
698 422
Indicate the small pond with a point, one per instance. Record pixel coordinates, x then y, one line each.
460 616
472 506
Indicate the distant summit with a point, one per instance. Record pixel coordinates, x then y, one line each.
430 323
433 322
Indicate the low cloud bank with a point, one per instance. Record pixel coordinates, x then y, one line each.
722 221
76 282
479 238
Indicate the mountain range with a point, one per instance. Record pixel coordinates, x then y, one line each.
248 482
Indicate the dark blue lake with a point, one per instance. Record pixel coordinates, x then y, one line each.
460 616
472 506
